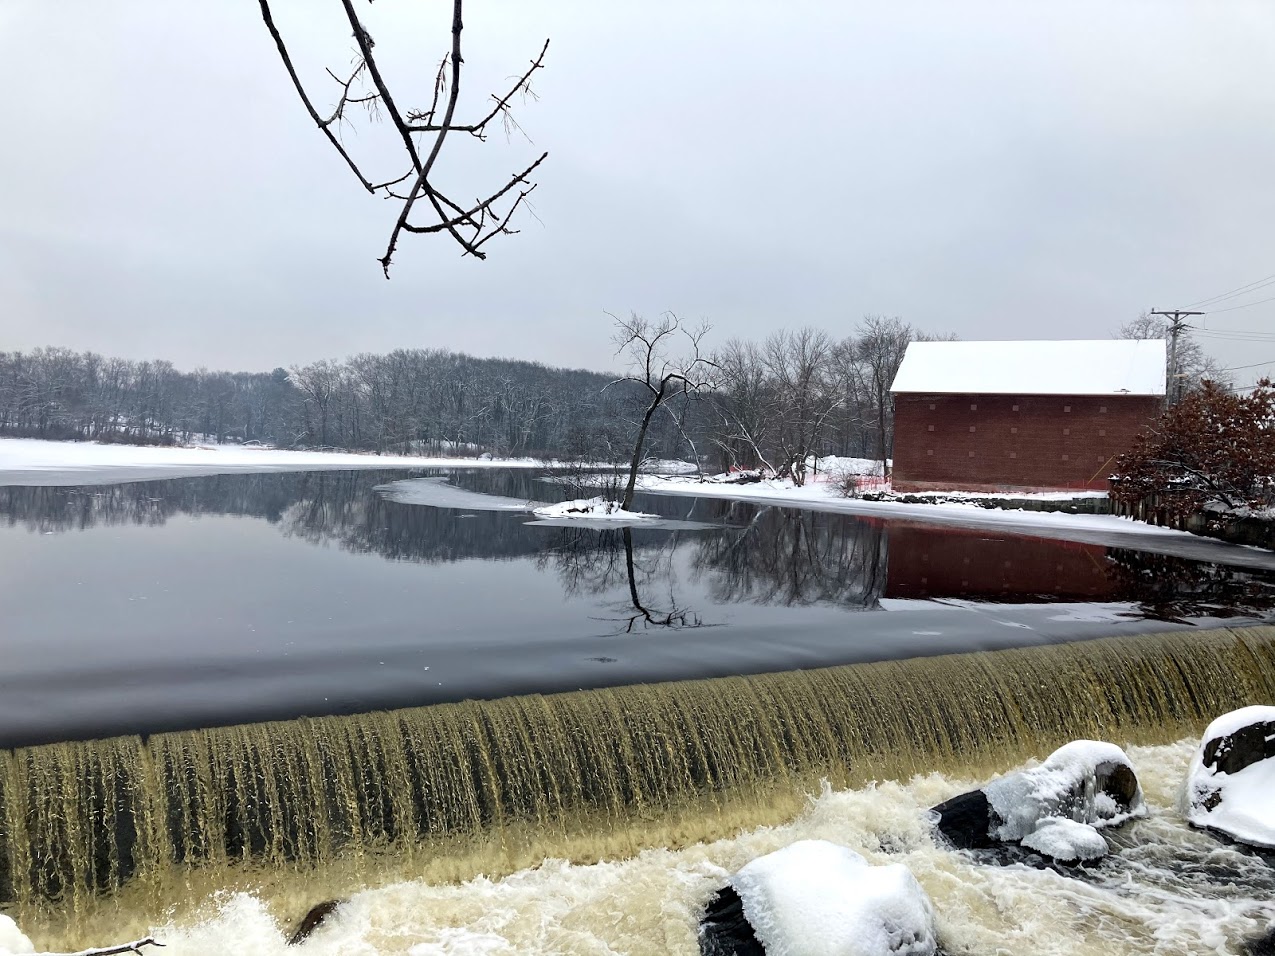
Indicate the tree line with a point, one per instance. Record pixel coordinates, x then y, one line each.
771 404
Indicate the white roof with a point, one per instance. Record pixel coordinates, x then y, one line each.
1072 367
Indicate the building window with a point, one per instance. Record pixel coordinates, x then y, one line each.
1066 408
1102 409
971 454
1066 431
1013 454
1013 429
973 408
1015 408
1102 432
929 451
929 428
972 428
931 406
1066 457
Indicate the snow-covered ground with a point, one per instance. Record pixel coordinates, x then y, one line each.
30 461
822 496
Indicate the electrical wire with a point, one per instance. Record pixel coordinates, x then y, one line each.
1249 287
1246 305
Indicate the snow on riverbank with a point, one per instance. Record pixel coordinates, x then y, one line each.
30 461
822 496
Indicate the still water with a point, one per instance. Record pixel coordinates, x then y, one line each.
194 602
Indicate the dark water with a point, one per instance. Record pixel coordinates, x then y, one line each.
192 602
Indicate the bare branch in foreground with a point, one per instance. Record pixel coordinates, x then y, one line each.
470 227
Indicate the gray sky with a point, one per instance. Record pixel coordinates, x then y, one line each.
997 170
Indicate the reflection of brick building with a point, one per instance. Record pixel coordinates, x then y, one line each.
1006 416
928 562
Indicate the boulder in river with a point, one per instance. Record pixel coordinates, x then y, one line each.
816 898
1230 785
1088 784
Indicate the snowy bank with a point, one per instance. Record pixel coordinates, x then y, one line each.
31 461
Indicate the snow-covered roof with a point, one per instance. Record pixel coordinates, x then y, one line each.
1070 367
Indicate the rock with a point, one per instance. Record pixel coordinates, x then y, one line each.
1230 785
1262 945
318 915
1066 841
12 940
1086 782
815 898
967 821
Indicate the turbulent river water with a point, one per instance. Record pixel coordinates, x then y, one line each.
402 777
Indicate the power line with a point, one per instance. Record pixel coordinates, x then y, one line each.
1237 368
1234 292
1246 305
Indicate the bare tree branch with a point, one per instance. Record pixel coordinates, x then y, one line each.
471 228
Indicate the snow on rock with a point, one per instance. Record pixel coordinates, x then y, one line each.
816 898
12 941
591 508
1087 782
1066 841
1230 784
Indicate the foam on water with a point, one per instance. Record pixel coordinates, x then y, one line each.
1167 889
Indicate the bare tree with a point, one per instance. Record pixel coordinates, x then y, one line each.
646 344
799 367
881 345
471 224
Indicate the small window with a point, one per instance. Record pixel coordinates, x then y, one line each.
973 408
929 428
1066 431
931 406
1013 429
1015 408
1066 458
1013 454
1102 432
1102 409
972 428
929 451
971 454
1066 408
925 580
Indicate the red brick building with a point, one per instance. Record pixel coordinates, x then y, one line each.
1021 416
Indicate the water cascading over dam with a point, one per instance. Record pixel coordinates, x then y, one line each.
132 825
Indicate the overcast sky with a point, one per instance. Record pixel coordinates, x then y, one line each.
997 170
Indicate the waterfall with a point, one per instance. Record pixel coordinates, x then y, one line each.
449 791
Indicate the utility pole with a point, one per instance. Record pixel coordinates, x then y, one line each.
1176 317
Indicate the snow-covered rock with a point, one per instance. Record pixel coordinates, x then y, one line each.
1066 841
1085 782
12 941
1230 785
594 509
816 898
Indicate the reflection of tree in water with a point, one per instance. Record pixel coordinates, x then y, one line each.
597 561
1168 588
789 557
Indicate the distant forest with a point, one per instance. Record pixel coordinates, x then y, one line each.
796 394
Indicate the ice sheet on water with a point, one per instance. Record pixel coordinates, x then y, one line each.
438 492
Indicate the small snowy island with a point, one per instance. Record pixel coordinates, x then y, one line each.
593 509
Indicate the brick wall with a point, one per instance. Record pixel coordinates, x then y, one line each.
1013 443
